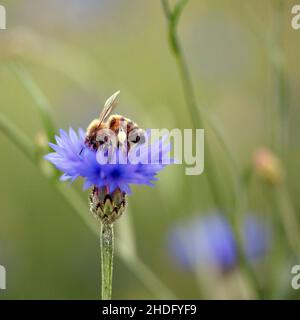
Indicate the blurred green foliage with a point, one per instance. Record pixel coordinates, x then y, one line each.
80 52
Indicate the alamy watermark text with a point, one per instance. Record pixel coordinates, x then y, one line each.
2 278
2 18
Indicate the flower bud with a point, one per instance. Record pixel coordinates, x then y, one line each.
268 166
108 207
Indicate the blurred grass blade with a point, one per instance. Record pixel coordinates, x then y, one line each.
18 138
40 100
178 10
125 233
144 273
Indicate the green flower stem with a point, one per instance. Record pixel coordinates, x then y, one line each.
198 115
282 93
287 218
107 252
130 259
240 203
272 45
281 199
128 256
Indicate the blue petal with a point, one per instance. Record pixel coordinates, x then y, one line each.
75 159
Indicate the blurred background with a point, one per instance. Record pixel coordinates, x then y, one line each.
243 59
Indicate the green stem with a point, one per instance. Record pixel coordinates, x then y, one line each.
240 206
282 94
287 217
107 251
197 116
281 198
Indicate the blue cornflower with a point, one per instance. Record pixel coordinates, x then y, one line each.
109 170
209 241
75 159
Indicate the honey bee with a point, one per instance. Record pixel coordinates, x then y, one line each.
127 133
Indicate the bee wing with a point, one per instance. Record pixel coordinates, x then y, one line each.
109 105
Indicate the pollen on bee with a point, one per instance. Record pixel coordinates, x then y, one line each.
122 136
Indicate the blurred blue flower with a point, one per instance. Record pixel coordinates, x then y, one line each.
257 237
75 159
208 241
